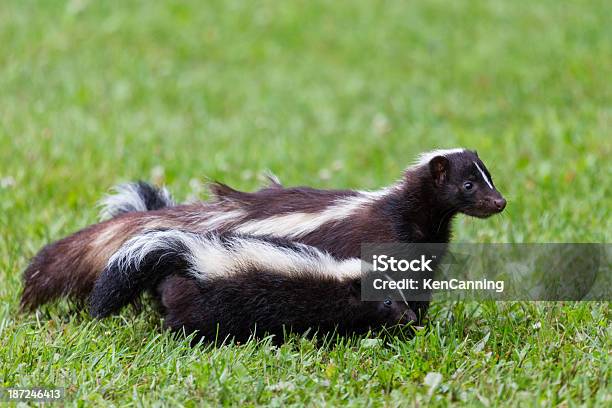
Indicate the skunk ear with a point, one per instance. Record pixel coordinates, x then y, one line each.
439 167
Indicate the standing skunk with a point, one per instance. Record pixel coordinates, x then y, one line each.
235 286
419 208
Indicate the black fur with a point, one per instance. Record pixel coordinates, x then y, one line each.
152 196
258 302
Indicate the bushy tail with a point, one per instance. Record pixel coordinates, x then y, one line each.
144 260
70 266
138 196
140 264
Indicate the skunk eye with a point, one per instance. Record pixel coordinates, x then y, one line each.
388 302
468 185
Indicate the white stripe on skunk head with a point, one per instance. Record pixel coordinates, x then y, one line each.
426 157
484 176
131 197
210 256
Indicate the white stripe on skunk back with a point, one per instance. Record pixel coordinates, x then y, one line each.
240 252
298 224
208 256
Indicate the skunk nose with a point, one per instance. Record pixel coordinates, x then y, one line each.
500 203
409 317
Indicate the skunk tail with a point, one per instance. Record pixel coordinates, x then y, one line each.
138 196
69 267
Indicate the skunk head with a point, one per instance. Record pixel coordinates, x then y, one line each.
463 183
395 312
386 312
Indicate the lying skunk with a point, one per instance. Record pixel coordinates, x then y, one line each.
418 208
224 286
259 302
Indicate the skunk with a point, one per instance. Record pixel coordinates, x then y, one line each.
418 208
223 286
259 302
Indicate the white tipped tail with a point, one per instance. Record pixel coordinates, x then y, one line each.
130 197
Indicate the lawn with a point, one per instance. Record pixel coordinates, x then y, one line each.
327 94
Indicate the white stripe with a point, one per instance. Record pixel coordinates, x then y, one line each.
246 253
209 258
484 176
286 225
426 157
221 219
298 224
291 225
134 250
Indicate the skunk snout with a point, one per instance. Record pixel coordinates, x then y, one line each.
500 203
493 204
408 317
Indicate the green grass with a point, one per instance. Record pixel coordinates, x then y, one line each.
328 94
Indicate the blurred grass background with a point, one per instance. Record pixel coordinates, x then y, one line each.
327 94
